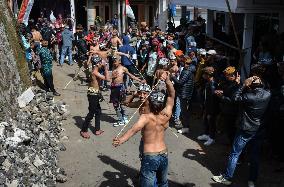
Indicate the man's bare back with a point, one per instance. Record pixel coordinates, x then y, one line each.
154 131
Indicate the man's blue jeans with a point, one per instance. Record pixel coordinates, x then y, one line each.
64 51
154 171
240 141
177 109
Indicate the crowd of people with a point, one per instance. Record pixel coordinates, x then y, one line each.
174 69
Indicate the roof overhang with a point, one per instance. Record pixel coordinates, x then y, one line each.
237 6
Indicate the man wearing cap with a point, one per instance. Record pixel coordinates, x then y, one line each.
67 38
200 66
153 61
94 96
142 93
253 100
210 107
118 90
184 88
46 67
229 109
175 70
154 166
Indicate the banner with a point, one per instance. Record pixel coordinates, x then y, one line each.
129 11
72 10
25 11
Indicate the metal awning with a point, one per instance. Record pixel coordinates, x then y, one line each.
237 6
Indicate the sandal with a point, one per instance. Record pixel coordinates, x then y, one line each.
99 132
85 135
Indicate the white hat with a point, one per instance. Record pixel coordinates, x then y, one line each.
201 52
211 52
193 44
163 61
172 57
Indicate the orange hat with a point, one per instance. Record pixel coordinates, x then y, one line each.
179 53
229 70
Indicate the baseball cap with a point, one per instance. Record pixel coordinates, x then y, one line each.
211 52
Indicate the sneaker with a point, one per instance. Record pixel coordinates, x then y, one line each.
126 121
117 124
209 142
56 94
177 122
178 126
203 137
183 130
251 184
221 179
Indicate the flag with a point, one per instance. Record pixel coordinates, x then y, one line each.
129 11
25 11
72 9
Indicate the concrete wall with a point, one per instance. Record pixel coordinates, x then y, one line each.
14 76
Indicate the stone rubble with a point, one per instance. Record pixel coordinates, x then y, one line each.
30 142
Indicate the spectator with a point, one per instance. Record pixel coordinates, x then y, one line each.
184 89
67 38
210 107
254 100
46 67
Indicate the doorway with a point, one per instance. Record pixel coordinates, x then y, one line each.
81 12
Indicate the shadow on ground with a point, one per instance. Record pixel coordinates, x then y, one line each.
79 120
126 174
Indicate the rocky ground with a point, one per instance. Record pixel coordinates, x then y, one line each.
95 162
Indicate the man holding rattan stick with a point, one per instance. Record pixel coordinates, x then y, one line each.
153 125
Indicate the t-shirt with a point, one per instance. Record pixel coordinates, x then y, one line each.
152 63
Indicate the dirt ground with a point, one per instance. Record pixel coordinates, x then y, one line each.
95 162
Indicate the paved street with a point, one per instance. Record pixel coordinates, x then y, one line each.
95 162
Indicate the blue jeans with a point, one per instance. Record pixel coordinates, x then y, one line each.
240 141
64 51
154 171
120 112
177 109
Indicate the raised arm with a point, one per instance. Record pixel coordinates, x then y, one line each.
171 94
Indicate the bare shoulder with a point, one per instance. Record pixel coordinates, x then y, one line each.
124 69
164 114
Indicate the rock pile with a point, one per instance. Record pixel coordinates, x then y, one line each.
29 144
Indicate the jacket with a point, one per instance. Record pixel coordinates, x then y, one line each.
126 48
253 105
67 38
211 101
227 105
185 84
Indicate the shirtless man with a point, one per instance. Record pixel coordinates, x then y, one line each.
142 94
118 90
94 97
115 41
143 103
153 126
